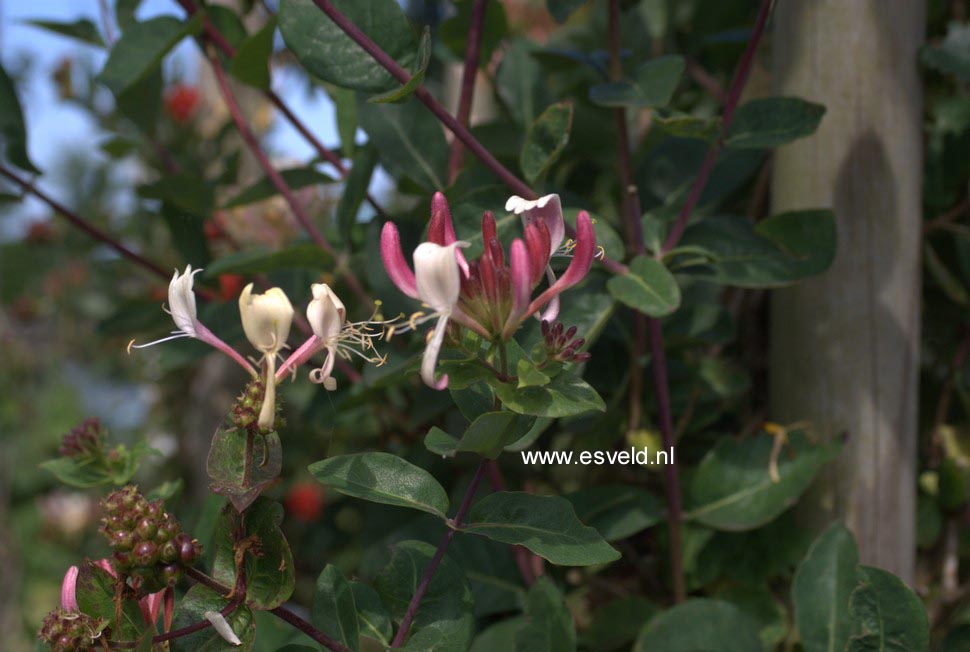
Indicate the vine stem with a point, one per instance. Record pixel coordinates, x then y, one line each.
279 183
220 41
412 610
461 132
642 326
473 49
730 104
282 613
83 224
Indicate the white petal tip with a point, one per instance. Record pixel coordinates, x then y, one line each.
222 627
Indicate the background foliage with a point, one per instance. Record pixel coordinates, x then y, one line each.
364 486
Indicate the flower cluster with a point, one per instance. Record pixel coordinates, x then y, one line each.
85 439
148 542
493 295
72 631
562 344
266 320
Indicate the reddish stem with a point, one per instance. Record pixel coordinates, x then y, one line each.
472 51
282 613
217 39
641 326
279 183
412 610
733 97
461 133
84 225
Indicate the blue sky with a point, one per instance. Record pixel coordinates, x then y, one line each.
54 126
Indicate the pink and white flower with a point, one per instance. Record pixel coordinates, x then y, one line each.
487 295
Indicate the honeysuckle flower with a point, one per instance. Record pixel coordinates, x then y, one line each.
150 605
547 210
332 332
181 306
266 320
492 298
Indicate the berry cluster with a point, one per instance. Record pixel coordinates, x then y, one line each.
87 438
245 411
71 631
148 542
560 344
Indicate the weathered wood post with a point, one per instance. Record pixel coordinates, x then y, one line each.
845 346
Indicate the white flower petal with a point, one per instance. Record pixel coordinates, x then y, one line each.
222 627
266 318
181 300
326 312
548 209
437 274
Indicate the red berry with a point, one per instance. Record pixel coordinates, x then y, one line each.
305 501
181 102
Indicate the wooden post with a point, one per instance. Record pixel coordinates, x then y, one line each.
845 346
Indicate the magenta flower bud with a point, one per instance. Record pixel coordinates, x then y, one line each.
69 590
397 268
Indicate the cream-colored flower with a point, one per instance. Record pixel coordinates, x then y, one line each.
266 318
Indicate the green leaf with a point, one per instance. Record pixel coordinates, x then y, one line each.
270 574
454 31
402 94
229 473
952 56
781 250
295 178
772 121
141 49
500 636
328 53
13 132
615 624
383 478
655 83
95 592
689 126
372 618
185 191
548 624
648 287
142 102
410 141
191 610
302 256
445 621
567 395
617 511
546 525
81 29
732 489
345 114
529 375
334 610
251 63
823 584
487 435
546 139
355 189
700 625
886 615
561 10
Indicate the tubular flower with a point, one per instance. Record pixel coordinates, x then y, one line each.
332 332
490 296
181 306
547 210
266 320
150 605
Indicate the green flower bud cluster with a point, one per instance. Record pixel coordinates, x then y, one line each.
245 411
70 631
148 542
